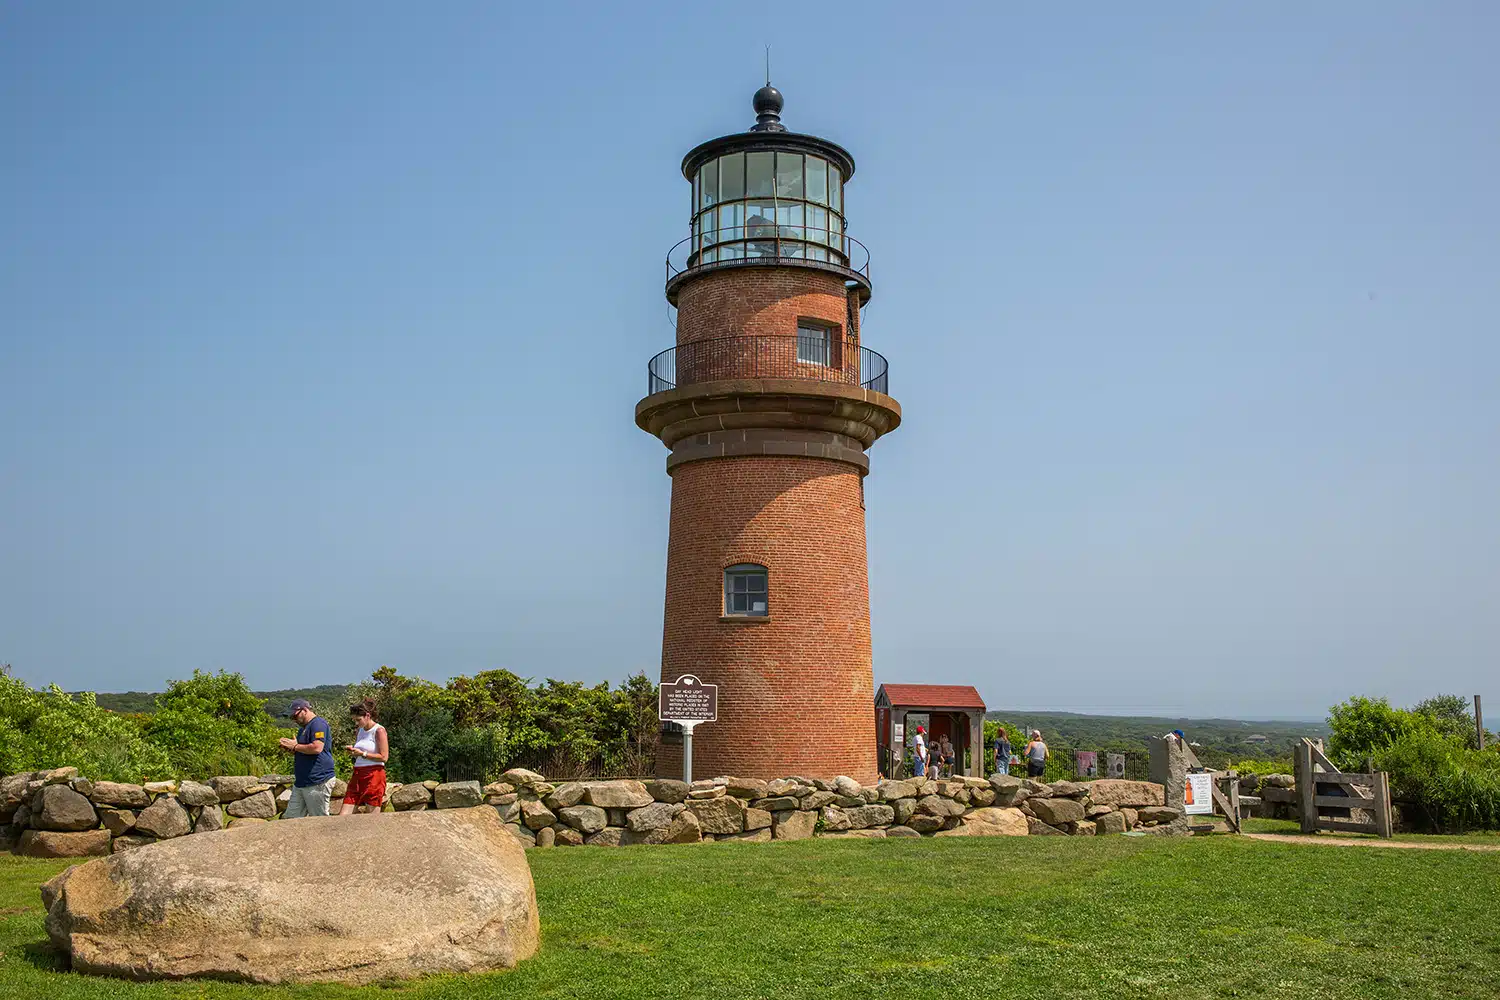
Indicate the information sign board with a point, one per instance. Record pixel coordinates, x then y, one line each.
1117 765
688 700
1199 794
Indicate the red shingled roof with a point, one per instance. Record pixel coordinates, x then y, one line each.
933 695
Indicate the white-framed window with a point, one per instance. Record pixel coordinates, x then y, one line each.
814 342
745 590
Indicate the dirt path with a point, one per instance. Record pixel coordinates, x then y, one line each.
1299 838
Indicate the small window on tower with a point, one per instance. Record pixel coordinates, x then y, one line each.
745 590
814 343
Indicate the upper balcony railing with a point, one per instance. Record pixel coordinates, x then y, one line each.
769 243
821 359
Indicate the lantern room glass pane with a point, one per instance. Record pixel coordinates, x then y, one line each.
789 220
817 224
731 176
817 180
732 222
760 175
835 189
788 175
708 184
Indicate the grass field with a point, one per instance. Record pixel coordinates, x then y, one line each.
1034 918
1478 838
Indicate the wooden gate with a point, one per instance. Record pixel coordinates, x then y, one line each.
1329 799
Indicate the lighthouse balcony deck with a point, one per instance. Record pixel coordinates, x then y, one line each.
778 356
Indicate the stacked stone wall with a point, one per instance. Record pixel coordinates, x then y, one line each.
60 814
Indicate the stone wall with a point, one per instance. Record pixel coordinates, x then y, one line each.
59 814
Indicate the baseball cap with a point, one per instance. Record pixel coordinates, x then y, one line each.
298 704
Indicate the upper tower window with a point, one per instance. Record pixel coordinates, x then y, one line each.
745 590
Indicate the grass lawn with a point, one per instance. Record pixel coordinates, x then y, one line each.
1481 838
1036 918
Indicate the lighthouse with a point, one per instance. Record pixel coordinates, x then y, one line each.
768 404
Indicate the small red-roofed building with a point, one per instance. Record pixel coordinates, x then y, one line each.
952 710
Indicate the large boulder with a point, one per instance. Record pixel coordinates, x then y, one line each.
117 821
58 807
683 829
864 817
271 903
413 797
164 819
1119 792
652 817
110 793
746 788
56 844
584 819
569 793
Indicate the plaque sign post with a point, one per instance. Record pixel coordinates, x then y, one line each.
688 701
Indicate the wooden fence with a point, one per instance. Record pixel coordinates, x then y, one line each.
1337 801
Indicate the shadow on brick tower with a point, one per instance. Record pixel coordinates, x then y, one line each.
768 403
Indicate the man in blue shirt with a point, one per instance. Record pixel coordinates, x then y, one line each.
312 762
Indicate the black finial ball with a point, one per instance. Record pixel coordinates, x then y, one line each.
768 100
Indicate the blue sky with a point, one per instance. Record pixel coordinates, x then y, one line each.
321 328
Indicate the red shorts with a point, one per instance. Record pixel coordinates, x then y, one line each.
366 787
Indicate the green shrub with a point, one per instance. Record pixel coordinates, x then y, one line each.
46 729
213 724
1251 765
1364 726
1452 787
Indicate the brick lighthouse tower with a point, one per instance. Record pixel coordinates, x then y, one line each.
768 402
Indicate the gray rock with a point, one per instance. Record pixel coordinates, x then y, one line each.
721 815
568 837
58 844
925 823
208 820
60 776
163 819
780 786
667 790
793 824
776 804
683 829
982 796
746 788
584 819
229 788
546 837
274 780
612 836
1110 822
21 818
713 792
864 817
1038 789
521 778
756 819
192 793
58 807
1119 792
117 821
129 843
535 815
569 793
404 799
901 831
261 805
458 794
510 812
855 835
890 791
1056 811
1158 814
846 785
834 819
82 786
842 801
617 816
817 800
1069 789
1131 816
903 809
622 794
761 836
656 816
937 805
523 835
1036 827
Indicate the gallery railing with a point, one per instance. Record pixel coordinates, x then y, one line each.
821 359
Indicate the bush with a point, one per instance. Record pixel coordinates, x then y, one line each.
213 724
1452 787
47 729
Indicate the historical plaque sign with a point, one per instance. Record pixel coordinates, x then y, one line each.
688 699
1117 765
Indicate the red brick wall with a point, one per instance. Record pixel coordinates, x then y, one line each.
753 301
796 691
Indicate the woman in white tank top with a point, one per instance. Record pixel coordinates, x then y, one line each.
371 749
